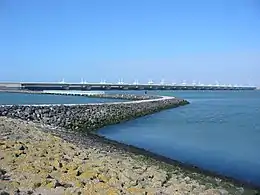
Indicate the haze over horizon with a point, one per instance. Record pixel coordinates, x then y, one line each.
205 41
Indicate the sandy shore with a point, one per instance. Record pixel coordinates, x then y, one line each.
35 161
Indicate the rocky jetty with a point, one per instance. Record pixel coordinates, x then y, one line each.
89 117
125 96
33 161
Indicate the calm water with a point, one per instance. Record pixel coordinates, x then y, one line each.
219 131
23 98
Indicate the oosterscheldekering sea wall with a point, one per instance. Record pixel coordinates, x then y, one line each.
89 117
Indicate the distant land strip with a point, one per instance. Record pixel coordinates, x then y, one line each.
38 86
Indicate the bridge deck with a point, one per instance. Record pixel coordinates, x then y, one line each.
110 86
98 86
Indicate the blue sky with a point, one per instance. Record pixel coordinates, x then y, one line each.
175 40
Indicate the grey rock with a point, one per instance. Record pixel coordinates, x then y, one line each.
223 192
4 193
92 116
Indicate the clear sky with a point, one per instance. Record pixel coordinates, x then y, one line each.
175 40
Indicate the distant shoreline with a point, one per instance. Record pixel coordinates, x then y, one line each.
116 86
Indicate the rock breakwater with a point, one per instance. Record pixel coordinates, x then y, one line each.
90 117
33 161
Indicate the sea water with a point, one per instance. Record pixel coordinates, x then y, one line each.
219 131
26 98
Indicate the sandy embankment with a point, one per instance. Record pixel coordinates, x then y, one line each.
34 161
